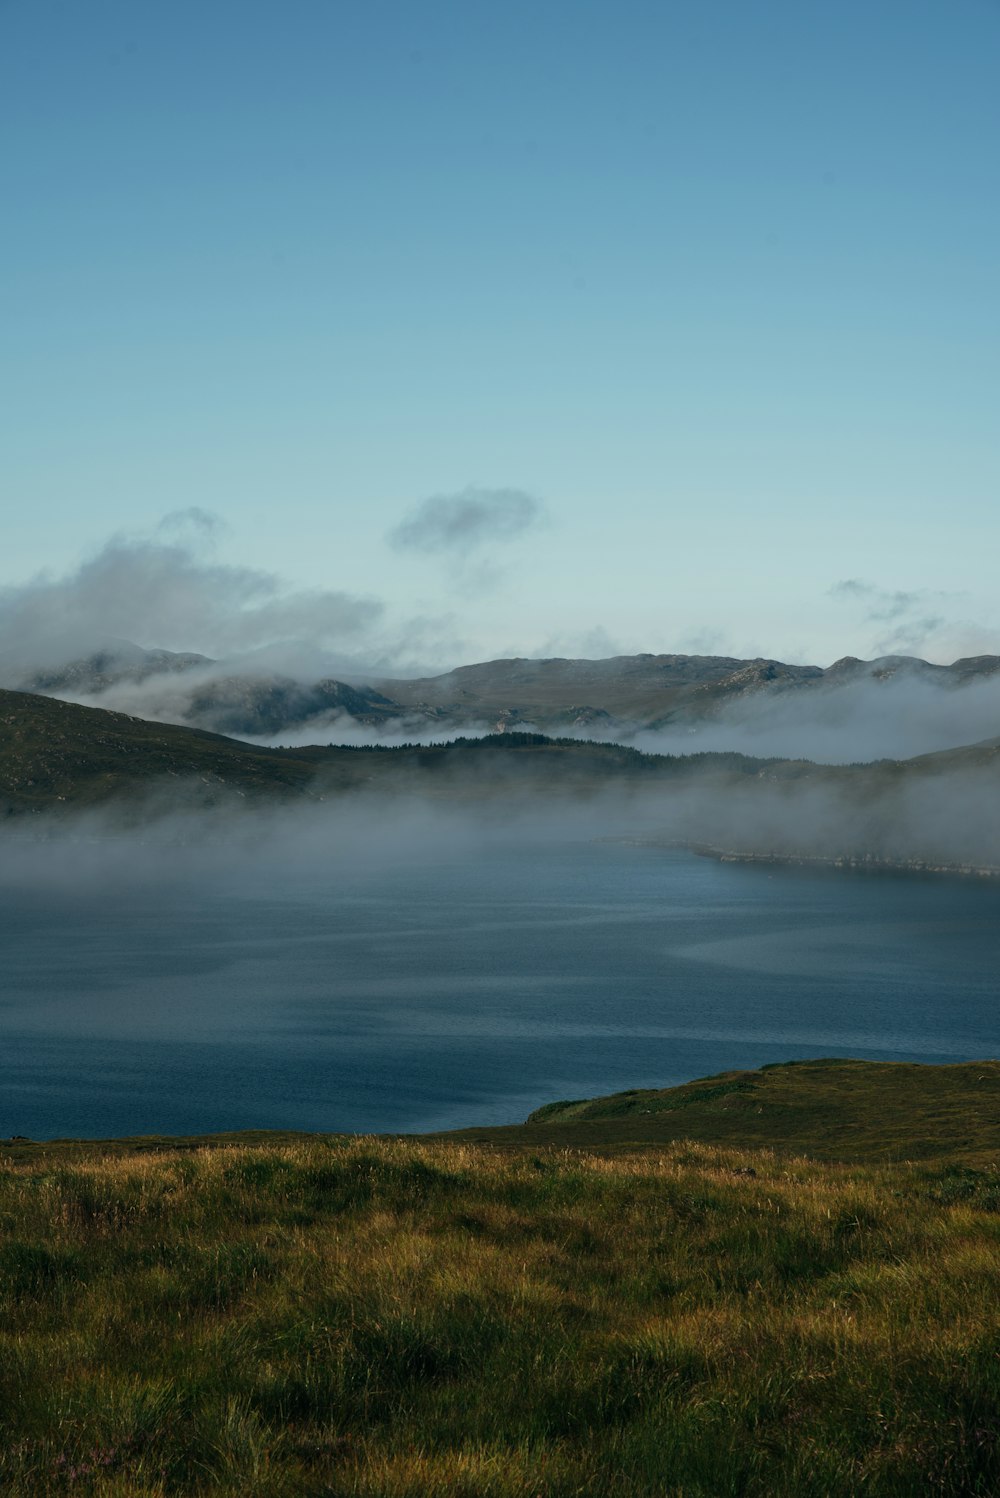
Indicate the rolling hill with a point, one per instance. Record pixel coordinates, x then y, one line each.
861 1111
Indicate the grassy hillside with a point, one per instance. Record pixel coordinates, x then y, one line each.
58 756
833 1110
297 1316
406 1320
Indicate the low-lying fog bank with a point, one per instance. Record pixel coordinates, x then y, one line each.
854 723
100 773
912 816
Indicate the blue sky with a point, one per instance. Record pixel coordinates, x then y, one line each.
715 283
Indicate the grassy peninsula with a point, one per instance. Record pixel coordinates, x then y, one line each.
837 1110
283 1315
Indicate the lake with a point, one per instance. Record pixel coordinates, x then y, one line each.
465 986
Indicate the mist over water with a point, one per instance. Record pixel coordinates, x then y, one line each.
443 972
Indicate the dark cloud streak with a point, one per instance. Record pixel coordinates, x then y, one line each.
908 613
463 523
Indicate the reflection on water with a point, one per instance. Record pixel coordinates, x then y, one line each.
470 990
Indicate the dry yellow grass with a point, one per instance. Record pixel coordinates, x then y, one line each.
371 1317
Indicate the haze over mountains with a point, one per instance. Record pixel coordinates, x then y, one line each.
892 707
892 761
64 760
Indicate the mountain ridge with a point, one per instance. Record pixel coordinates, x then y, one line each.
618 694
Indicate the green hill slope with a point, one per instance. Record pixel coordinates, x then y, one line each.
861 1111
58 756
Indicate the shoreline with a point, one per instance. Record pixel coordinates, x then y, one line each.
866 863
859 863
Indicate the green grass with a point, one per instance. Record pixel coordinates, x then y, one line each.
384 1318
835 1110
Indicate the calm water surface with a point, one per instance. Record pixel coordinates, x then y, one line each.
459 990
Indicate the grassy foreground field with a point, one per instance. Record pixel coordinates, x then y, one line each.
378 1317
